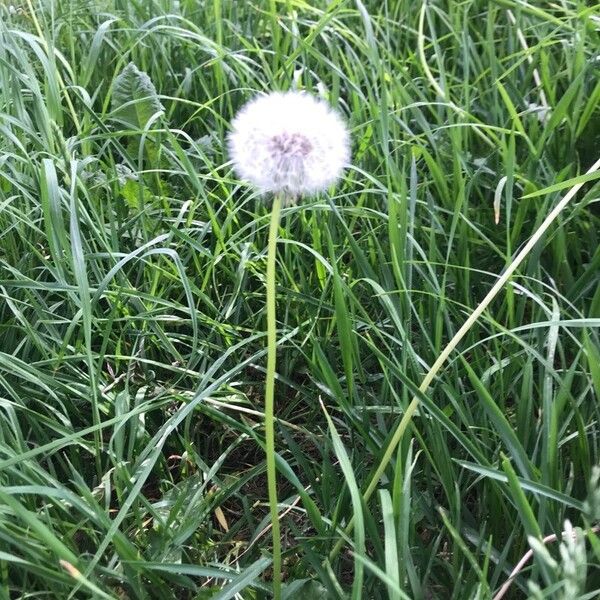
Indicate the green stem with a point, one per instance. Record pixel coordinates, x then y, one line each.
269 396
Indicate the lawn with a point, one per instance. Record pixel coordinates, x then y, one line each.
437 389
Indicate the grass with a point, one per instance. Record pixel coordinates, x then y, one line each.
417 457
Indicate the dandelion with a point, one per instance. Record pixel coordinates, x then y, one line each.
290 144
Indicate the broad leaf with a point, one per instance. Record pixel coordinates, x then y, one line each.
134 98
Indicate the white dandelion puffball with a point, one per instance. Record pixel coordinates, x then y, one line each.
289 143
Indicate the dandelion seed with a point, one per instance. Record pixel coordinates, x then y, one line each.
291 144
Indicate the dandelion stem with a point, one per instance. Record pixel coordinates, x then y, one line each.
269 396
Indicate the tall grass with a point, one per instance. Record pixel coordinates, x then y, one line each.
133 317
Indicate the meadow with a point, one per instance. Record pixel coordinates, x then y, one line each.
437 396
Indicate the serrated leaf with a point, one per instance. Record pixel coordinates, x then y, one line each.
131 194
134 97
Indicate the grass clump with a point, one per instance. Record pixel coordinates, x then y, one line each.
132 314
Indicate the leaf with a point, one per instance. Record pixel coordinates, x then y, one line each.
134 97
392 565
531 486
220 515
565 184
307 589
501 424
359 518
132 191
593 357
246 578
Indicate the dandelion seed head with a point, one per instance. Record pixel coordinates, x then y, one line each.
289 143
